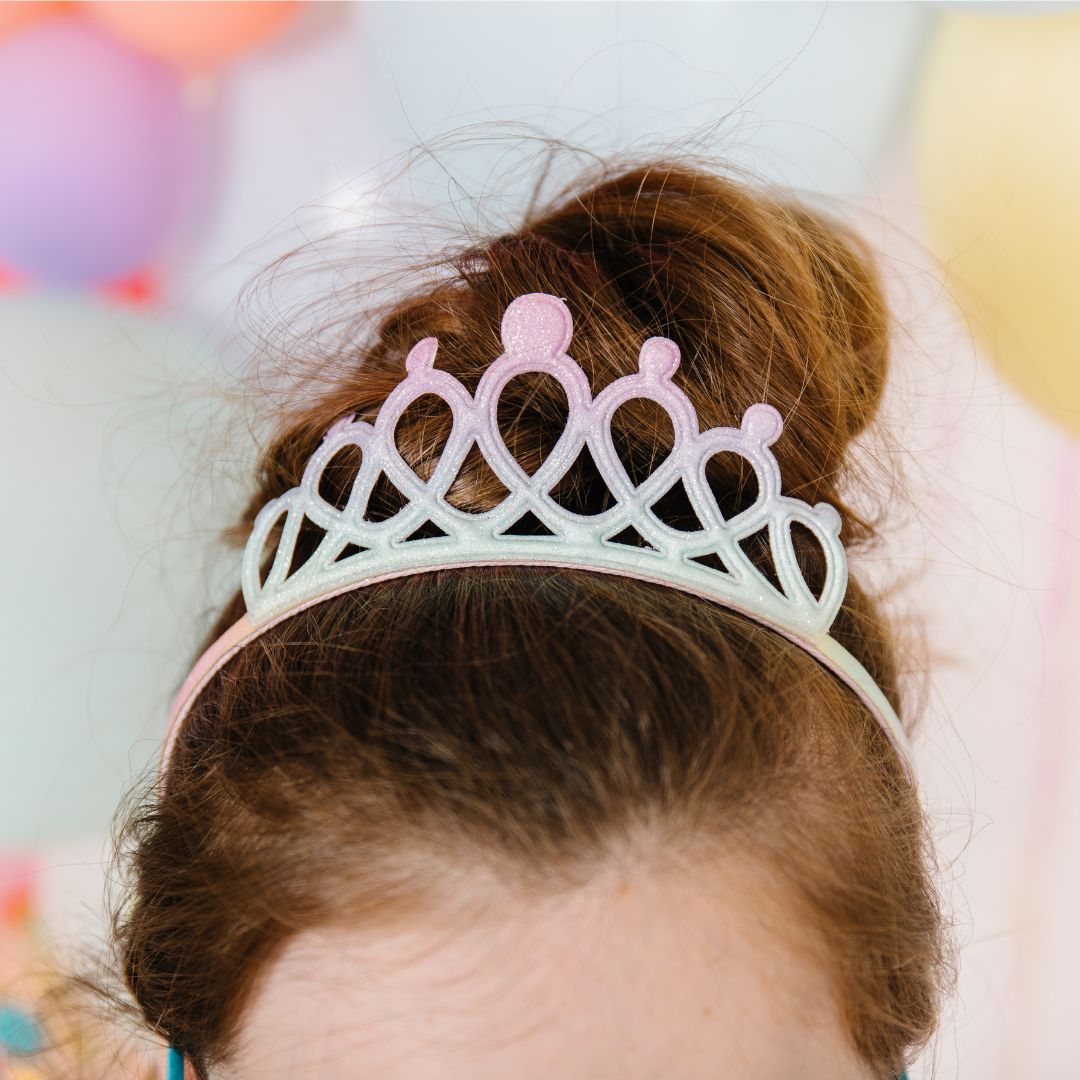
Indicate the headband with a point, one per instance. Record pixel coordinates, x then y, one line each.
627 539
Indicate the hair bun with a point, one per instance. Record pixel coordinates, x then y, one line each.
767 299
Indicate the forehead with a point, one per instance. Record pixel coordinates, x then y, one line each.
638 975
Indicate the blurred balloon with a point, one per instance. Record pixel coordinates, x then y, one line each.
192 35
998 161
9 278
103 415
14 13
98 153
138 289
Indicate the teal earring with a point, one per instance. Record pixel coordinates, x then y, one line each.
176 1064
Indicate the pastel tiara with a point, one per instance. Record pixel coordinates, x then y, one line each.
629 538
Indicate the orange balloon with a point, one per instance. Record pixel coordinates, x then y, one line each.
14 13
192 34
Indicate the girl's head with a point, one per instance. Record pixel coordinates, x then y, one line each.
526 821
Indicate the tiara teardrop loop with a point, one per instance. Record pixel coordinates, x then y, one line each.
627 538
657 362
523 356
425 496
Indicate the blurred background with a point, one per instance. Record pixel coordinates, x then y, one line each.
154 156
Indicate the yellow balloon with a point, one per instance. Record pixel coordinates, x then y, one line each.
998 168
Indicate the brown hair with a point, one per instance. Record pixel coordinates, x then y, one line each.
528 720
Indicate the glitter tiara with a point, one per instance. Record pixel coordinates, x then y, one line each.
629 538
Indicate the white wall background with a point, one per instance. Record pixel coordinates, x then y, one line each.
114 488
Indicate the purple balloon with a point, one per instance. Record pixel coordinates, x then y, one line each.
96 153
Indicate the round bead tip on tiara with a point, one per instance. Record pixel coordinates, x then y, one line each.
536 323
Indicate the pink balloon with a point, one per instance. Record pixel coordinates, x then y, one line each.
192 35
96 153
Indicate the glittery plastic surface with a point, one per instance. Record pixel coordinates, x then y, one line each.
536 332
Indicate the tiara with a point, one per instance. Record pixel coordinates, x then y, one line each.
629 538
